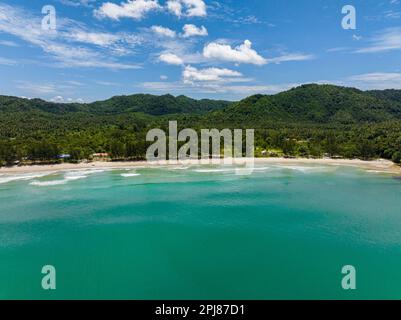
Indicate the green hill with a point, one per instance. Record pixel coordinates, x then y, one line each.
310 120
144 103
391 94
319 104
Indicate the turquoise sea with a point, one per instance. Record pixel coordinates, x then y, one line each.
284 232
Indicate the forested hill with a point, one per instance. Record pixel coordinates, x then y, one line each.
307 103
319 104
392 95
310 120
155 105
144 103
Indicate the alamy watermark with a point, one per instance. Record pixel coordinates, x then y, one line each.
49 21
49 280
349 280
349 20
199 150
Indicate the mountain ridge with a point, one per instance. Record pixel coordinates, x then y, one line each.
307 103
310 120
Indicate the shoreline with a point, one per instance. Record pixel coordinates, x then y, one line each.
380 165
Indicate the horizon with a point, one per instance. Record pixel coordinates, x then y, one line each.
182 95
225 50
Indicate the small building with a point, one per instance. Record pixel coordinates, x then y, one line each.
64 156
100 155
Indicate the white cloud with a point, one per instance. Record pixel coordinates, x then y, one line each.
165 32
107 83
58 99
100 39
36 88
175 7
237 91
191 74
376 80
379 76
83 57
135 9
255 89
369 81
55 92
191 30
241 54
23 25
118 44
387 40
163 77
61 99
7 62
171 58
8 43
291 57
77 3
193 8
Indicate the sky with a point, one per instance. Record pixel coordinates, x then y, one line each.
88 50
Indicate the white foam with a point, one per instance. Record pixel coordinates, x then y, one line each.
232 169
179 168
85 172
48 183
22 177
68 176
130 175
305 169
72 178
76 175
259 168
378 171
214 170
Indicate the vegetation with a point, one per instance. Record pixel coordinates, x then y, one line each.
309 121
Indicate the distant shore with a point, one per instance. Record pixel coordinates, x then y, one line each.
381 165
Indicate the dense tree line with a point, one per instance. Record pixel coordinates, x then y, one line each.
309 121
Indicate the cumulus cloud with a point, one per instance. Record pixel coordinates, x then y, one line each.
191 30
57 99
175 7
189 8
191 74
165 32
240 54
135 9
61 99
171 58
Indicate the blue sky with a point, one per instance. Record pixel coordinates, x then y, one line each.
200 48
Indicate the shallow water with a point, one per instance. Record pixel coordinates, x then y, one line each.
201 233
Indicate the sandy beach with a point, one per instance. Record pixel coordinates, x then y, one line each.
381 165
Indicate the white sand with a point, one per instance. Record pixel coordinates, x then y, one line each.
376 165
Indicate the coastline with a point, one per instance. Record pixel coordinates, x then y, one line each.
380 165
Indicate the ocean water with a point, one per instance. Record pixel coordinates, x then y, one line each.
201 233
